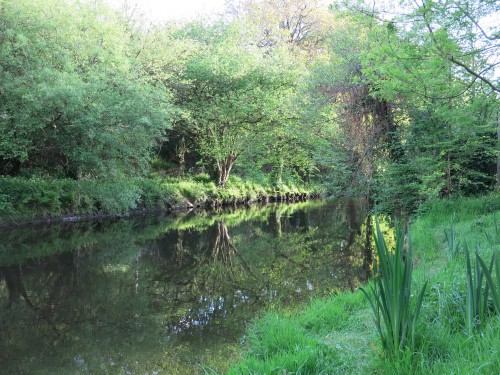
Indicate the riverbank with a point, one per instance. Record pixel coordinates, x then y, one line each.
338 335
37 200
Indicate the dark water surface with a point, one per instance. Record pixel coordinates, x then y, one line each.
165 295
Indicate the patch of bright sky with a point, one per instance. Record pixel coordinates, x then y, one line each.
168 10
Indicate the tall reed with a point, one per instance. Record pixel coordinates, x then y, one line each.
492 284
477 295
451 240
390 296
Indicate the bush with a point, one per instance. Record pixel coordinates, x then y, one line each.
112 197
20 196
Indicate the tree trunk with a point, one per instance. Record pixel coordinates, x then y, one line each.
276 223
368 249
498 150
448 164
224 168
15 285
181 150
223 249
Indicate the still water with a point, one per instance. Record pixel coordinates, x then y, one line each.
166 294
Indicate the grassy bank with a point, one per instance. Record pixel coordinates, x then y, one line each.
338 335
35 199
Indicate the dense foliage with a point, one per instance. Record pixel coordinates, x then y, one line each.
399 109
104 113
73 101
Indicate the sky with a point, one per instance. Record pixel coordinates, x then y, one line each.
165 10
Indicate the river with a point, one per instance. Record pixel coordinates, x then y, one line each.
169 294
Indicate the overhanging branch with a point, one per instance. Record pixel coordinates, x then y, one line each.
494 87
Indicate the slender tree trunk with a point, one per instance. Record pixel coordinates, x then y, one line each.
368 248
498 149
448 153
448 164
224 168
181 155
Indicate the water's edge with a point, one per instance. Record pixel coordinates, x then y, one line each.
7 222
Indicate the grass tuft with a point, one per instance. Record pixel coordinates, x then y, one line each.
281 345
451 240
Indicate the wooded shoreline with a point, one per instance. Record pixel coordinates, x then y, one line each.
36 208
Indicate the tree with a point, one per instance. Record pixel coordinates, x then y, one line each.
297 24
73 100
463 32
232 94
364 123
419 122
471 26
447 115
468 25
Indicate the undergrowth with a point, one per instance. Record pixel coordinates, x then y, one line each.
23 199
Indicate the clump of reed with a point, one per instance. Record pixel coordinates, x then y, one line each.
390 294
481 284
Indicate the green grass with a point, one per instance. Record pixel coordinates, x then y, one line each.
443 343
310 341
279 344
472 218
23 199
453 244
479 285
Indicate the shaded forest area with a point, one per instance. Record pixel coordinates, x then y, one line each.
102 111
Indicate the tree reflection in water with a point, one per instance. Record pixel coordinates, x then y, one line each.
167 293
